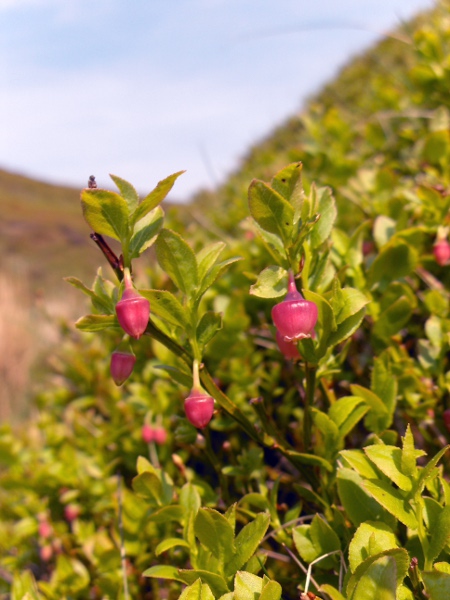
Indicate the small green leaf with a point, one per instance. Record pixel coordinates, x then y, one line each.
270 210
169 543
370 539
166 305
247 586
210 324
106 213
437 584
351 301
216 534
360 463
359 505
214 273
389 460
393 318
102 303
346 413
145 231
154 198
176 374
393 500
271 283
376 580
378 419
326 207
197 591
409 455
207 258
178 260
97 322
127 192
439 535
288 183
347 328
215 582
247 542
396 259
332 592
163 572
271 591
326 323
147 485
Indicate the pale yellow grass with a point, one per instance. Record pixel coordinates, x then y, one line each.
29 331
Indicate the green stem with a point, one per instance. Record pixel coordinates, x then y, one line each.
310 372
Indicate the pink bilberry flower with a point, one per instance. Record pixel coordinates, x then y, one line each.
294 317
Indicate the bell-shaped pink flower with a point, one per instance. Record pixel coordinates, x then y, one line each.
122 365
199 408
294 317
133 310
441 251
288 349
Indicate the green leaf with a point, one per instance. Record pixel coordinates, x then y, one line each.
214 273
216 582
376 579
326 323
127 192
271 283
176 374
247 542
409 455
154 198
288 183
197 591
106 213
389 460
359 505
350 302
215 534
166 305
190 501
102 303
146 231
332 592
270 210
439 535
207 257
147 485
247 586
332 441
164 572
97 322
379 418
346 328
178 260
169 543
326 206
437 584
210 324
346 413
393 500
396 259
271 591
370 539
393 319
359 461
429 471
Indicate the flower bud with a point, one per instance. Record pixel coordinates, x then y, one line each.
122 365
199 408
147 433
160 435
133 312
72 512
441 251
294 317
288 349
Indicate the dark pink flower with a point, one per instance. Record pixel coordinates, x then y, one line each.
148 434
133 312
121 366
294 317
199 408
288 349
441 251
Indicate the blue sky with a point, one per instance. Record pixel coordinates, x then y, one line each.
144 88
